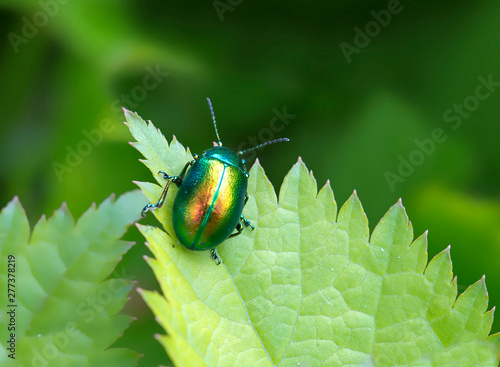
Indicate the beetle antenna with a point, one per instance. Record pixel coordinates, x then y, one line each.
213 119
263 145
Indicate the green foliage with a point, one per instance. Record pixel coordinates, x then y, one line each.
67 308
309 286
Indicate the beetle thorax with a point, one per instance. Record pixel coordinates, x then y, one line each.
225 155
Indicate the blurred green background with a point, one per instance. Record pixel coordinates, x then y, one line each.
359 103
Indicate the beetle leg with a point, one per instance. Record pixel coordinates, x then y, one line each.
162 197
246 222
159 204
177 180
184 170
166 176
214 256
243 220
239 228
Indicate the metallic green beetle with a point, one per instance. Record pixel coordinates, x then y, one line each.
212 193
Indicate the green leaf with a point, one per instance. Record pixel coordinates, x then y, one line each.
66 306
309 286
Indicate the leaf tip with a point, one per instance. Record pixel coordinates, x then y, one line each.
257 164
328 186
128 114
63 209
140 227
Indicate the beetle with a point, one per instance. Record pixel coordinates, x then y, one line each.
212 193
